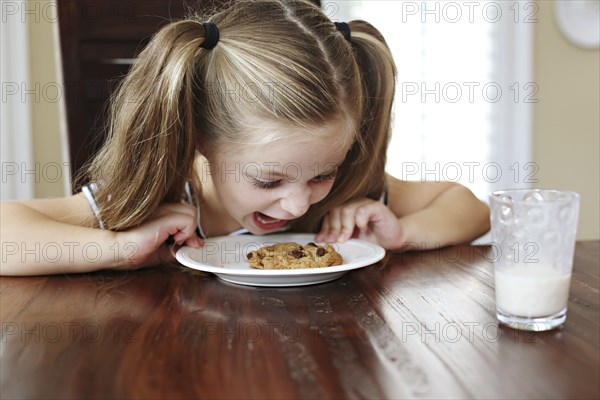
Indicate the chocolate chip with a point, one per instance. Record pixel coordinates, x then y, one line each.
312 244
297 253
320 252
249 256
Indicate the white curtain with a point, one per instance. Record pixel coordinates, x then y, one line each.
465 88
15 118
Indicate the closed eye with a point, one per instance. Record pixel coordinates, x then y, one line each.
273 184
266 184
325 177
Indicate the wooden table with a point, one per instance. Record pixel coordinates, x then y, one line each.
422 326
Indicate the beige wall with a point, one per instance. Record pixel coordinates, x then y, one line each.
566 118
566 128
46 126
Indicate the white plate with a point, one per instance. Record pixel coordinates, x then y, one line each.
226 257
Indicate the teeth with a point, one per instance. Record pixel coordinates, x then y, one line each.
260 217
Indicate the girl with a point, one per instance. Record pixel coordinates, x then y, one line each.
264 116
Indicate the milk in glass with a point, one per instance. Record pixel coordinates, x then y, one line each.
531 290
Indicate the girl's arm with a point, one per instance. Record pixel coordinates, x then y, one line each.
437 213
419 215
52 236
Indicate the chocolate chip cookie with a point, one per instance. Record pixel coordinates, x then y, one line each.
291 255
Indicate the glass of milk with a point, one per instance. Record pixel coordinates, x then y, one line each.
533 236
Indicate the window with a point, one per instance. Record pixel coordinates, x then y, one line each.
464 90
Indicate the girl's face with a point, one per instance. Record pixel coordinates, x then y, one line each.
264 187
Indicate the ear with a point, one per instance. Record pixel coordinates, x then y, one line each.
200 146
203 150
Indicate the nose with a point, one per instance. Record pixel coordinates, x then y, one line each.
296 202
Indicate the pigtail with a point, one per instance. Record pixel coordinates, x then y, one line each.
150 148
378 77
362 174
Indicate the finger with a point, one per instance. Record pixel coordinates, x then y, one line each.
335 224
320 237
348 218
194 242
167 209
367 214
180 226
182 232
348 222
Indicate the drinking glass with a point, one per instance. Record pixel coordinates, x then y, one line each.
533 235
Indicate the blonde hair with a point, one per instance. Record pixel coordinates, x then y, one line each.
278 60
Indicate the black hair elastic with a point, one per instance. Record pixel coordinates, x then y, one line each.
344 28
212 35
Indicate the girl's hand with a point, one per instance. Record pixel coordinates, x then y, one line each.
365 219
146 245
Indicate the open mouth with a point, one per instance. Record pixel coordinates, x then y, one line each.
267 223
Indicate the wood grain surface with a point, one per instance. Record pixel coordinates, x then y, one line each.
421 325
